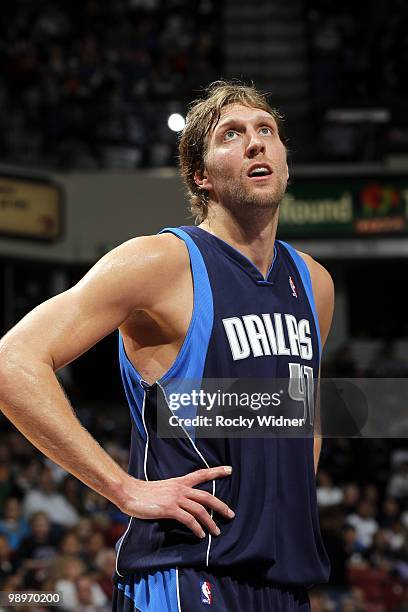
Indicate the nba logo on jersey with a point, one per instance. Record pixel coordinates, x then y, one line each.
206 595
293 287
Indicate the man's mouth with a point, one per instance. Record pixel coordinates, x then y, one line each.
259 171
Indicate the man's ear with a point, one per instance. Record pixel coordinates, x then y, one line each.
202 181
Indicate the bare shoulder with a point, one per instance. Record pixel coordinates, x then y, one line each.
153 251
321 279
142 268
323 293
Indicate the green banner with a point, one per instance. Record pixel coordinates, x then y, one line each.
336 207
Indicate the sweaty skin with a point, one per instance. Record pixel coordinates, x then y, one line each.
144 288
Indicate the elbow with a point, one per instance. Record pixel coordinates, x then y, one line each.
9 360
16 359
20 360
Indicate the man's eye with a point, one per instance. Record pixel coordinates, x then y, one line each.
230 134
265 130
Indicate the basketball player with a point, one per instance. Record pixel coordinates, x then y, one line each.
226 524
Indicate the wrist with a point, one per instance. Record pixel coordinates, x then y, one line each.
125 490
118 488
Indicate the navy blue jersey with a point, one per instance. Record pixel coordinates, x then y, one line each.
243 326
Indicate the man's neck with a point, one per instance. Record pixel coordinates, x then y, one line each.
254 237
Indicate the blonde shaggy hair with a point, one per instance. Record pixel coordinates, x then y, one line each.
203 115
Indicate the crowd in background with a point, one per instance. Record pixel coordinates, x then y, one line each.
362 491
360 52
91 84
359 59
56 534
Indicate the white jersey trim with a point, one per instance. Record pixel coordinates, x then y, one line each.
145 473
204 461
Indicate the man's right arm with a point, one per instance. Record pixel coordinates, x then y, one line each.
55 333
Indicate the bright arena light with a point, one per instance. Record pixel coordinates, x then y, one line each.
176 122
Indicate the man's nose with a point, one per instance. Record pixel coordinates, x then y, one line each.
255 145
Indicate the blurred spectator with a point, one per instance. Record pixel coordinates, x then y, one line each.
47 499
390 512
397 536
327 493
27 477
72 490
379 553
351 496
21 448
70 544
398 483
66 569
84 528
398 456
96 507
90 596
14 526
364 523
352 545
39 548
95 543
58 473
8 564
331 522
370 493
106 564
319 601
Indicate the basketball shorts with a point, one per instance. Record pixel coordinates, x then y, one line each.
195 590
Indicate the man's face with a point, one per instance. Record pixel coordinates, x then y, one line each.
245 164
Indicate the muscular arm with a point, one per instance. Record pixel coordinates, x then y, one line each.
139 275
323 292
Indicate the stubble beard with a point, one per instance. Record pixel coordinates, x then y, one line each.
239 198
